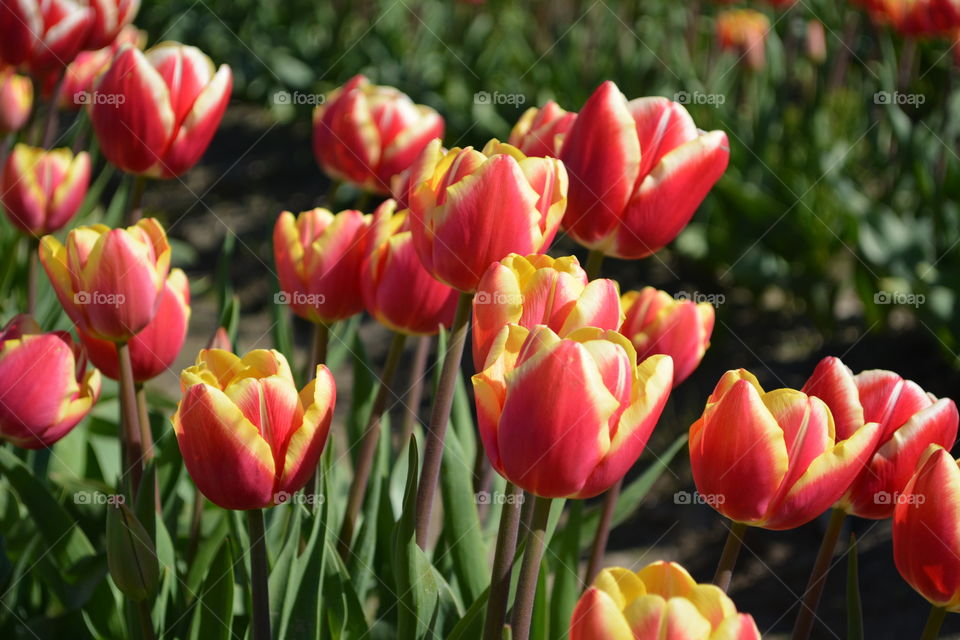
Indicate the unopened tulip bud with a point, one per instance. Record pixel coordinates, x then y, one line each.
42 190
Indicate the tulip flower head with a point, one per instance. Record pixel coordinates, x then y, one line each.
248 438
656 322
82 74
319 256
567 417
909 418
916 18
773 459
155 112
539 132
638 171
397 290
661 600
109 19
42 190
16 100
109 281
538 289
744 31
471 208
46 387
366 134
44 34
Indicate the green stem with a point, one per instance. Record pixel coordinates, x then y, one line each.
594 263
332 192
440 418
603 531
368 445
932 630
503 564
818 577
146 436
321 338
135 207
258 575
415 394
728 558
146 623
33 269
530 571
133 444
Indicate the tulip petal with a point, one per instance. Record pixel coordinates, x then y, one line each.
834 383
596 616
738 627
307 442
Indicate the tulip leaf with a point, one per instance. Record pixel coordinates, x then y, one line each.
211 540
854 606
470 625
566 564
281 330
363 551
282 569
213 619
303 603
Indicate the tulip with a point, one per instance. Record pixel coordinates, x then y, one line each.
82 74
154 349
538 289
539 132
110 17
155 113
816 41
661 600
248 438
319 257
397 290
909 420
920 18
470 209
45 385
629 204
42 190
773 459
656 322
43 34
366 134
744 31
567 417
16 100
109 281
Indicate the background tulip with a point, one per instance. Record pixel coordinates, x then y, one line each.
744 31
773 459
45 385
656 322
470 209
539 132
319 257
154 349
42 190
397 290
109 281
109 18
366 134
16 100
43 34
82 74
661 600
638 171
248 438
538 289
909 420
567 417
155 113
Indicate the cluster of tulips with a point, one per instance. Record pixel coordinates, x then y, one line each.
571 374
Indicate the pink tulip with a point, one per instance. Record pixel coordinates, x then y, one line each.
43 190
43 34
109 18
16 100
540 132
82 74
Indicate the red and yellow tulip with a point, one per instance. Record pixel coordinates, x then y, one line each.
660 601
109 281
44 34
46 387
656 322
638 171
42 190
471 208
248 438
910 420
16 100
744 31
567 417
82 74
109 19
538 289
319 256
773 459
539 132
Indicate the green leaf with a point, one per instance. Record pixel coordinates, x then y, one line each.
566 564
854 606
213 618
131 554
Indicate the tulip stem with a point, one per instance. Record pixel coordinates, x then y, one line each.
415 394
258 575
932 629
146 622
603 531
321 337
594 263
368 445
818 577
135 207
332 191
503 564
530 571
133 445
728 558
440 417
53 115
146 435
33 268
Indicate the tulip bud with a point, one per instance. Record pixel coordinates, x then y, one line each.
109 281
109 18
656 322
16 100
470 208
366 134
42 190
744 31
816 41
661 600
131 555
248 438
397 290
319 257
538 289
909 418
154 349
567 417
630 204
773 459
45 386
43 34
82 74
926 542
539 132
155 113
